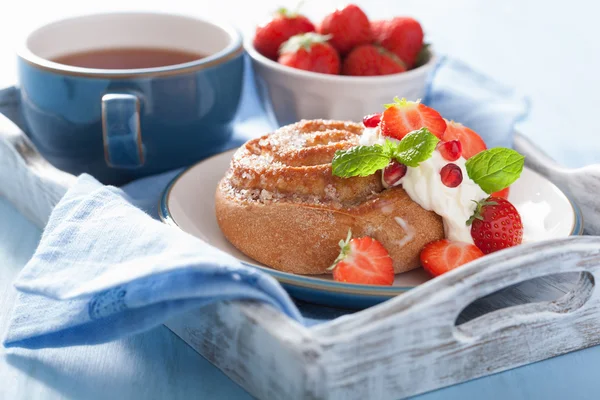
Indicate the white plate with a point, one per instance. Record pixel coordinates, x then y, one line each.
188 202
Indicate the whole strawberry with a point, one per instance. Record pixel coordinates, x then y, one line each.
496 225
363 261
348 26
284 24
401 35
310 52
370 60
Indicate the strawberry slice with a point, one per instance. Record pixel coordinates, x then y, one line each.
471 142
444 255
364 261
402 117
503 194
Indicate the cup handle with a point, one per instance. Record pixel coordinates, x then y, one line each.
121 131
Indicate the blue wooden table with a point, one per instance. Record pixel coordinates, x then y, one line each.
546 48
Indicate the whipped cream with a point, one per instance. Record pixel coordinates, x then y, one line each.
371 136
409 232
455 205
424 186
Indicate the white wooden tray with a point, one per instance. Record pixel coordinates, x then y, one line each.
486 317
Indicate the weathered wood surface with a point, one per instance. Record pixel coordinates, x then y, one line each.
408 345
268 354
28 180
415 345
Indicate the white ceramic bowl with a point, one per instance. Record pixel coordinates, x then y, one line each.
290 94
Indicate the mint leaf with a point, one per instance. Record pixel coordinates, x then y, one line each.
389 148
495 169
415 147
360 161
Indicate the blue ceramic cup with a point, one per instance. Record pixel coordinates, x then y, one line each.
122 124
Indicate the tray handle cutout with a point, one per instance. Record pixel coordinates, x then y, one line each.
507 318
507 268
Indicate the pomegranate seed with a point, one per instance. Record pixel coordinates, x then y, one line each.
393 173
371 121
450 150
451 175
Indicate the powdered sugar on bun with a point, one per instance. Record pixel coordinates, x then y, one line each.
280 204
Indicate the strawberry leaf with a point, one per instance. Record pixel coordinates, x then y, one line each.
398 102
302 41
479 208
495 169
284 12
423 56
344 250
401 102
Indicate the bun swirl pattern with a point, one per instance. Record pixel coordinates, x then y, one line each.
280 204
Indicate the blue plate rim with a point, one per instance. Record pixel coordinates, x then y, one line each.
302 281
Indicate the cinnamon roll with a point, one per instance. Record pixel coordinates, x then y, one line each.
280 204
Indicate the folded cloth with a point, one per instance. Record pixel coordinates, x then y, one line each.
105 269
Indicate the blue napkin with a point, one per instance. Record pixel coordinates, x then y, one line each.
105 268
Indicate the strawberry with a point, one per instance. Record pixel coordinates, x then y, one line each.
310 52
284 24
444 255
370 60
348 26
402 117
377 27
496 225
503 194
401 35
471 142
364 261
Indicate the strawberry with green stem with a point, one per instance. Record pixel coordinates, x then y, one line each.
283 25
310 52
401 35
348 26
496 225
